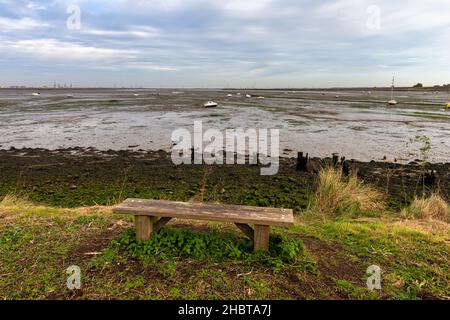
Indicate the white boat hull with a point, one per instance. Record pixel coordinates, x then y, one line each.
392 103
210 104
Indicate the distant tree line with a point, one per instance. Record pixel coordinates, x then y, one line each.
444 86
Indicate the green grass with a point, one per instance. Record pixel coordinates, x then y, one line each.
324 256
315 259
415 262
354 292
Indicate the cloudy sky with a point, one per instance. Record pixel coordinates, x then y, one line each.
225 43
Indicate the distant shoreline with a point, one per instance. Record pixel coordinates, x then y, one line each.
440 88
80 151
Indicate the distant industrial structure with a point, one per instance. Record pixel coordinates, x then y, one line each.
59 86
55 86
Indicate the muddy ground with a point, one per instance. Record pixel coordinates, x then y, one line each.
356 123
82 177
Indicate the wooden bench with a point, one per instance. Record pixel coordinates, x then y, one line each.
151 215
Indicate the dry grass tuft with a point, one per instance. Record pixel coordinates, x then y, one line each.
431 208
16 205
340 196
13 200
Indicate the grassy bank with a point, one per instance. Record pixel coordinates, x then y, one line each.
55 212
316 259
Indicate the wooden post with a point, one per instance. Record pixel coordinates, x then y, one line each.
430 178
345 167
144 227
335 159
302 162
261 238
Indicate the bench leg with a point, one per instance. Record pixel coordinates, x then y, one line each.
160 223
246 229
144 227
261 238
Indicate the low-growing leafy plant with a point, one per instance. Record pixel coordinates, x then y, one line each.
424 147
87 220
11 239
212 246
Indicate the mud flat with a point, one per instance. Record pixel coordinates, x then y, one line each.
85 176
354 123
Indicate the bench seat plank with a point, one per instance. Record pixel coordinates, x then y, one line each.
207 211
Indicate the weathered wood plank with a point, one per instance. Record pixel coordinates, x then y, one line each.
160 223
246 229
206 211
261 242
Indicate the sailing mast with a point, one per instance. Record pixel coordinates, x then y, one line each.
392 88
392 102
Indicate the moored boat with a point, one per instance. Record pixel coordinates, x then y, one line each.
210 104
392 102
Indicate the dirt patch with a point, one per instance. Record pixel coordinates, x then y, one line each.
323 251
95 243
333 264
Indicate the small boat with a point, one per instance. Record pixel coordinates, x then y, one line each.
136 95
36 94
229 95
392 102
210 104
70 96
248 95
